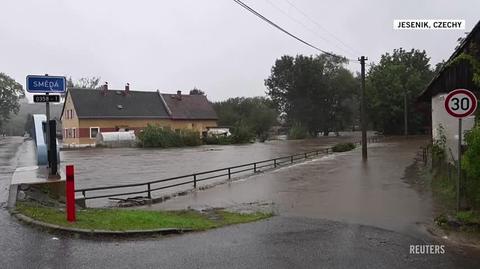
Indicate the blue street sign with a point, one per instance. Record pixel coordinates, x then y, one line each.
46 84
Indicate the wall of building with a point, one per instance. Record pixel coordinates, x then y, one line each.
69 123
450 125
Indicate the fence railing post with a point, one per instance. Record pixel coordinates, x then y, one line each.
195 180
149 191
229 174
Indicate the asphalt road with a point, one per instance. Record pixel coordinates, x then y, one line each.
280 242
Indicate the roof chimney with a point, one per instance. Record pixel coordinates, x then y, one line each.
179 95
105 88
127 88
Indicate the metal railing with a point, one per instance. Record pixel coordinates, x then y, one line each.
227 173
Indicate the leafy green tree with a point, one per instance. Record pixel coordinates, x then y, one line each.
471 165
256 114
402 72
85 82
10 93
316 92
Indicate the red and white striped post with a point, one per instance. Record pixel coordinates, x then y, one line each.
70 194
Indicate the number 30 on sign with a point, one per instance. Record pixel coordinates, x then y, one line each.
460 103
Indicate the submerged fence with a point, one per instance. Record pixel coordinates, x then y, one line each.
147 188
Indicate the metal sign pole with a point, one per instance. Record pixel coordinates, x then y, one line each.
47 112
459 164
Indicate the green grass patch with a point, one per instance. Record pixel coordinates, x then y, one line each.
469 217
444 188
342 147
122 220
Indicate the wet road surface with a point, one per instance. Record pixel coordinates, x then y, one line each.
98 167
340 187
285 241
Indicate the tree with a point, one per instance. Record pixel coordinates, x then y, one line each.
402 72
314 92
10 93
85 83
256 114
196 91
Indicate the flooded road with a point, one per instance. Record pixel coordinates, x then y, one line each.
339 187
113 166
317 190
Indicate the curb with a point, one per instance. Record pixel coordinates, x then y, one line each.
161 231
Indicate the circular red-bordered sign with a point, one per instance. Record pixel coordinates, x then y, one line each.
460 103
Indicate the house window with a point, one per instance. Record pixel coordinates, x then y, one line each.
74 132
69 133
65 133
94 131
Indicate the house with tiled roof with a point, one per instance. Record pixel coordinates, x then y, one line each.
87 112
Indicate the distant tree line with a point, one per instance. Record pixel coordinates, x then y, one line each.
398 74
251 116
10 94
317 94
314 94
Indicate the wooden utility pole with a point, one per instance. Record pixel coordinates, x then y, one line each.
405 112
363 118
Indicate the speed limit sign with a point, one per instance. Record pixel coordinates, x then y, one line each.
460 103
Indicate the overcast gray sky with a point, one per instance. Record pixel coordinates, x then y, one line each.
214 45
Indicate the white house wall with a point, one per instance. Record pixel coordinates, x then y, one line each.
450 125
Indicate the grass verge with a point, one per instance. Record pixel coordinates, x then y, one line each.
123 220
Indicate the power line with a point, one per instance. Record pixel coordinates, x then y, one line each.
251 10
348 51
323 28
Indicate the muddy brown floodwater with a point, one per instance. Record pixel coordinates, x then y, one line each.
339 187
97 167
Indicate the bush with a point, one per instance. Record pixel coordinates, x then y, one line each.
242 134
297 131
218 140
156 136
438 146
191 138
471 165
341 147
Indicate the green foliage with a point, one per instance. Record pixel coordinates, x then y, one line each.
256 114
218 140
468 217
156 136
10 93
297 131
471 165
317 92
439 143
341 147
123 219
402 72
242 134
473 61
